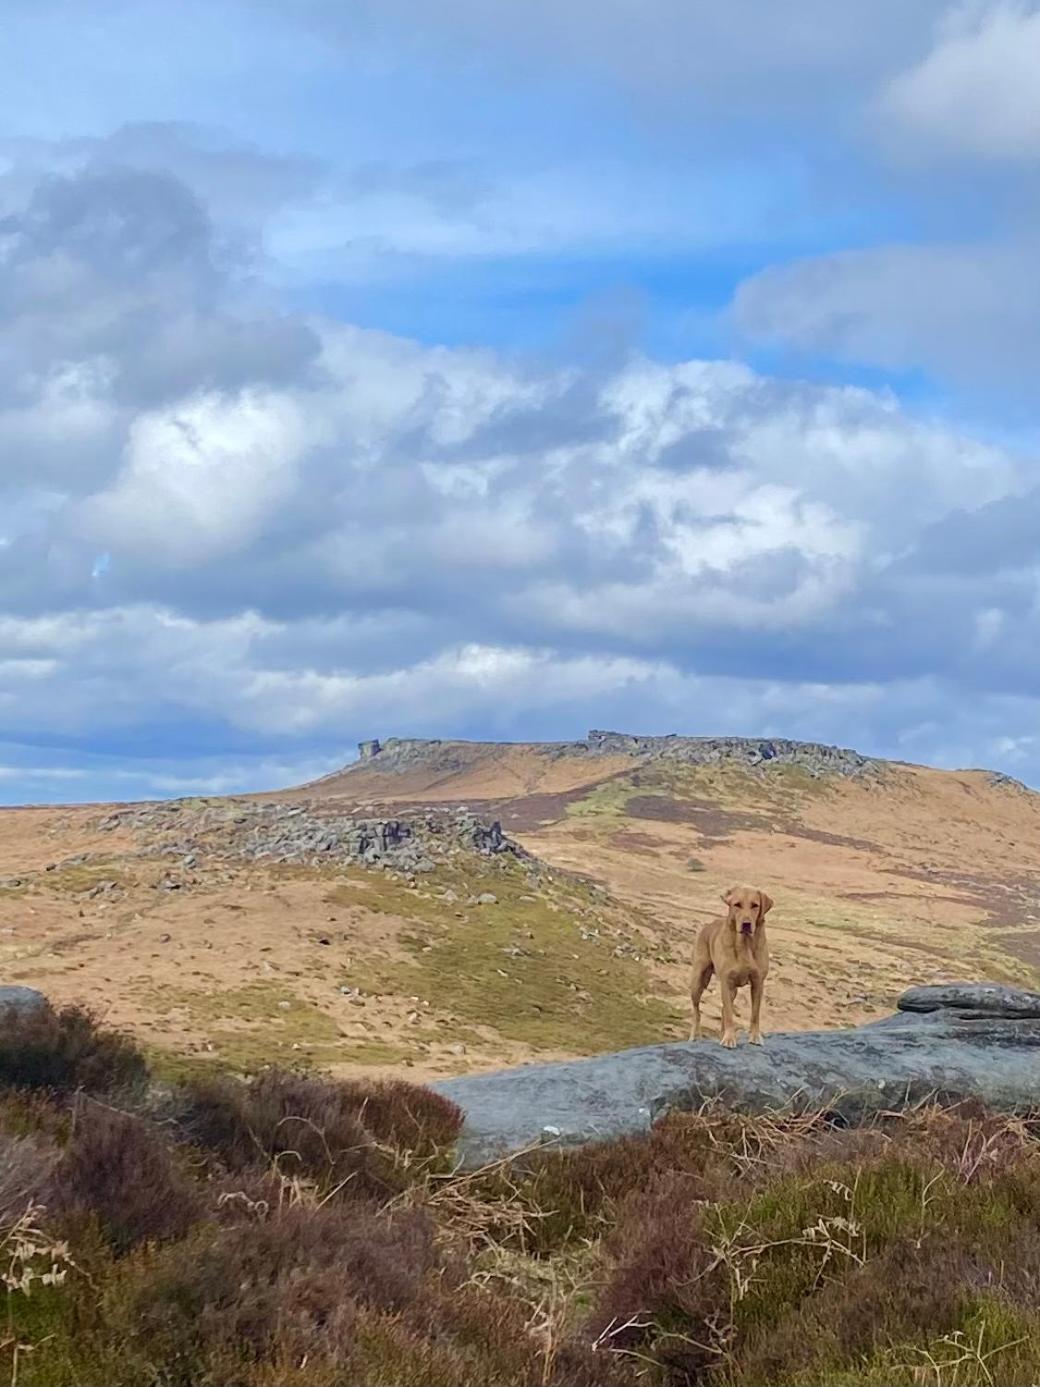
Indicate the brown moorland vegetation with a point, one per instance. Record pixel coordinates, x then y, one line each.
301 1230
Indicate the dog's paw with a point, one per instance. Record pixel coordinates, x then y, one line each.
730 1042
756 1039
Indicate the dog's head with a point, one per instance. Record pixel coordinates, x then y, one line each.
748 907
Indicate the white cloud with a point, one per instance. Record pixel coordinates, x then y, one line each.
976 93
202 478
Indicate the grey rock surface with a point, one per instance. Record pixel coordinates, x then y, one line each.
20 998
950 1042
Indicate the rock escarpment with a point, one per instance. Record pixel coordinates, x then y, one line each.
952 1042
403 754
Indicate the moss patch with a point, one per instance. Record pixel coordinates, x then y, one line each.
76 878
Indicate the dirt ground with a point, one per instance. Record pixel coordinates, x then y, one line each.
918 876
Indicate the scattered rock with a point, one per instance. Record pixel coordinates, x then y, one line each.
487 898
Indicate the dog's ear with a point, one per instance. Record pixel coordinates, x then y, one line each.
727 896
767 903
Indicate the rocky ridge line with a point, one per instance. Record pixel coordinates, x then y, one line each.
401 754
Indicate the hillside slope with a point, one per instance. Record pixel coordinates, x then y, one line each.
368 920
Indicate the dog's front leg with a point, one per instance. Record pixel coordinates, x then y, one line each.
729 1025
757 988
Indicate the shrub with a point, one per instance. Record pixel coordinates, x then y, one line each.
336 1134
303 1126
286 1284
404 1115
25 1169
572 1195
669 1290
41 1048
119 1170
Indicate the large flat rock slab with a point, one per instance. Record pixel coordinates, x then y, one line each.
957 1041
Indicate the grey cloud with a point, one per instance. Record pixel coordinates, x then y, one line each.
449 186
241 186
707 447
747 54
123 267
993 539
966 313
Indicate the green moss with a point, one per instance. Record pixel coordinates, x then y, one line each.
608 800
75 879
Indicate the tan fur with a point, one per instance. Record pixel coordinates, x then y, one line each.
733 946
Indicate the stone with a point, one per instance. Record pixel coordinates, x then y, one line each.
20 999
950 1042
487 898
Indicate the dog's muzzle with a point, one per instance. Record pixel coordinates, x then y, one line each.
747 928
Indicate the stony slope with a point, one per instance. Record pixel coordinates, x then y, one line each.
375 918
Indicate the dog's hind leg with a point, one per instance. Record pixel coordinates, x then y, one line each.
701 977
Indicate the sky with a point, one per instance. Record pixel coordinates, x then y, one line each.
438 368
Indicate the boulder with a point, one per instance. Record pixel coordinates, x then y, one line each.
951 1042
21 998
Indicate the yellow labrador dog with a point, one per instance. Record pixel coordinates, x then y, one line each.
733 946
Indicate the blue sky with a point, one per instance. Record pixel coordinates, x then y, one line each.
462 370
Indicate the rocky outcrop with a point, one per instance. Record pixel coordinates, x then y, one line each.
814 757
276 831
402 754
950 1042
